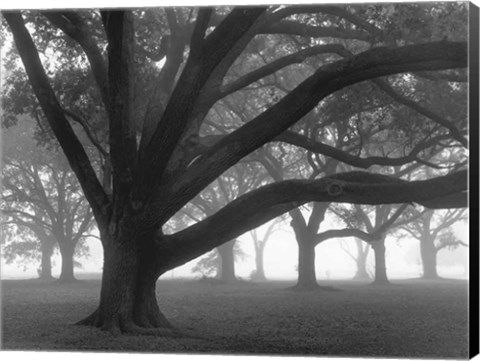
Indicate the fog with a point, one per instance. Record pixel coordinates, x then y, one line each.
280 259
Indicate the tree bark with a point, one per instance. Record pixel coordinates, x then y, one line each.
380 265
307 278
227 264
46 265
128 302
66 251
428 254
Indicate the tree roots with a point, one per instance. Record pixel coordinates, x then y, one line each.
118 325
306 288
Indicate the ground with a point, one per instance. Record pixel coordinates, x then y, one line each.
408 319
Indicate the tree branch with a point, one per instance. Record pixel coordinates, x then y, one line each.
271 123
88 132
122 136
454 132
176 116
69 142
295 28
325 9
74 26
278 64
345 233
257 207
342 156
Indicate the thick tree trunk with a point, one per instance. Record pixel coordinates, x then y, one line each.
380 265
66 251
46 263
128 302
361 273
227 265
428 253
307 278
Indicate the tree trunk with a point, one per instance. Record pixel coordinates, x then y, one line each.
46 265
307 279
361 273
128 302
380 265
227 264
259 268
428 253
67 250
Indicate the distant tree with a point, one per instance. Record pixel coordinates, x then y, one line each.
220 263
259 244
359 257
232 184
41 198
434 231
374 232
26 243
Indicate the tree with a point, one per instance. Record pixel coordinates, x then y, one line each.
433 230
220 263
162 164
27 244
360 258
42 199
259 244
232 184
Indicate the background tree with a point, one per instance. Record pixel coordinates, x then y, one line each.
259 243
359 257
41 198
434 231
158 167
232 184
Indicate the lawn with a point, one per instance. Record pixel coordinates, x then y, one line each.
408 319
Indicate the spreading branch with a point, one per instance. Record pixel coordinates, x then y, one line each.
197 70
258 207
329 78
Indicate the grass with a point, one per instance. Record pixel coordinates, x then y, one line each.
408 319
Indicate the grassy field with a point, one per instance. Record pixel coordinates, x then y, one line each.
408 319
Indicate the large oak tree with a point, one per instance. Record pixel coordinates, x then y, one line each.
158 160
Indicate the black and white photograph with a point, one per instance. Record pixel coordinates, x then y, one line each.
239 179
